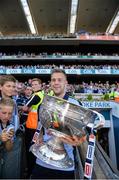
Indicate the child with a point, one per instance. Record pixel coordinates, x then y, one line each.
6 130
7 90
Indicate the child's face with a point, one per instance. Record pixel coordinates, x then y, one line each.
6 113
8 89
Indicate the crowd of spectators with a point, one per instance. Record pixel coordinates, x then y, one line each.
61 66
58 35
41 36
21 92
91 87
55 54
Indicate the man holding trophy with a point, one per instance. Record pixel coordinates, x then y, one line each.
62 122
46 171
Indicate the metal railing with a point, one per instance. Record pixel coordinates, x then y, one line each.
103 167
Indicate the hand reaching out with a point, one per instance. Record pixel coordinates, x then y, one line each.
24 108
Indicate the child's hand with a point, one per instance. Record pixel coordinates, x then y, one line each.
4 136
10 134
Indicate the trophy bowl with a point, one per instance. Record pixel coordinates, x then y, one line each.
62 119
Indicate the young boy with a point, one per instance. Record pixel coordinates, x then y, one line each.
6 130
7 88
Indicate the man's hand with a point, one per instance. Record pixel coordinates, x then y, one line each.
74 140
24 108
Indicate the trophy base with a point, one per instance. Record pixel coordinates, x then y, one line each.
57 158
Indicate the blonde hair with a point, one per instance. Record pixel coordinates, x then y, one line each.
58 71
36 79
7 102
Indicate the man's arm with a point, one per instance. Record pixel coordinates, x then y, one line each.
35 99
74 140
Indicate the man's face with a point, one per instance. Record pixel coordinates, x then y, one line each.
5 113
19 87
58 83
36 86
8 89
28 91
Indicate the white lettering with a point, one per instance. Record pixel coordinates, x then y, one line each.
96 104
13 71
42 71
25 71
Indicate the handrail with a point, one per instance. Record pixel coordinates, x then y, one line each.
105 159
103 167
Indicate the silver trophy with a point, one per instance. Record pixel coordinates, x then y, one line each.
62 119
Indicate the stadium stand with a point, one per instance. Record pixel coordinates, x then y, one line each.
90 58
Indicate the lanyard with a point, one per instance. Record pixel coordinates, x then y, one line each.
90 154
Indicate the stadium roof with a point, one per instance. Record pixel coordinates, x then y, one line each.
53 16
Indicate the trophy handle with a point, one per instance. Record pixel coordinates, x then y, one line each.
101 120
96 125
